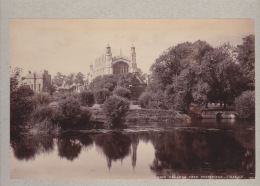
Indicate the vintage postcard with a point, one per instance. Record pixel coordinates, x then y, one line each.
132 99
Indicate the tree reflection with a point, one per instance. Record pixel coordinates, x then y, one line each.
70 144
197 150
115 146
26 147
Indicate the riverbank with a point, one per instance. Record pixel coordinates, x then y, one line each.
143 115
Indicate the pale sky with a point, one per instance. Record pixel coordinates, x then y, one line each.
71 45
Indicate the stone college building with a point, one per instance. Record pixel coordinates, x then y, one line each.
109 64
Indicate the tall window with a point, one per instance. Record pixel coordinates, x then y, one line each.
120 68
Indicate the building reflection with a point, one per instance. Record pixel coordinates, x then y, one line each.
115 146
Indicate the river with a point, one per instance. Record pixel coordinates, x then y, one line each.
205 149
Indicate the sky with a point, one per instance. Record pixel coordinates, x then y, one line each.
72 45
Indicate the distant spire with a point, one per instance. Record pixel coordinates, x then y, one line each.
108 44
121 54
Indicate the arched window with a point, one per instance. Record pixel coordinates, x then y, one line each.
120 68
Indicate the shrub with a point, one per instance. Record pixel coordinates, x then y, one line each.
122 92
245 105
70 109
145 100
87 98
42 99
84 116
22 105
101 95
42 113
115 109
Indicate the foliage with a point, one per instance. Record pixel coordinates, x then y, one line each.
84 116
145 99
58 79
198 73
245 105
42 98
101 95
115 109
79 78
22 105
223 75
122 92
70 113
42 113
70 109
111 81
87 98
246 58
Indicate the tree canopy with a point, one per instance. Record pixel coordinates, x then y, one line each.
199 73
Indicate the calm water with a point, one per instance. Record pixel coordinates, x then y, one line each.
225 149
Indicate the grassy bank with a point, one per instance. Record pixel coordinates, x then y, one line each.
144 115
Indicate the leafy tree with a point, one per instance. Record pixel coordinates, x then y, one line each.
58 79
87 98
145 99
101 95
79 78
111 81
245 105
246 58
122 92
21 102
22 105
176 75
70 79
223 76
115 109
70 109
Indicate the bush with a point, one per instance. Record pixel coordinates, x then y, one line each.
84 116
42 99
145 100
122 92
22 105
64 95
101 95
115 109
87 98
70 109
42 113
245 105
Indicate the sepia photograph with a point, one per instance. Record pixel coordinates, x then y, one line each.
132 99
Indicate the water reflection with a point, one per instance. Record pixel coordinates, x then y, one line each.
26 147
70 144
177 151
115 146
209 152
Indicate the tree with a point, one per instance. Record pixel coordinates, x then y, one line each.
111 81
115 109
70 79
58 79
245 105
122 92
223 75
246 58
21 101
87 98
79 78
176 75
